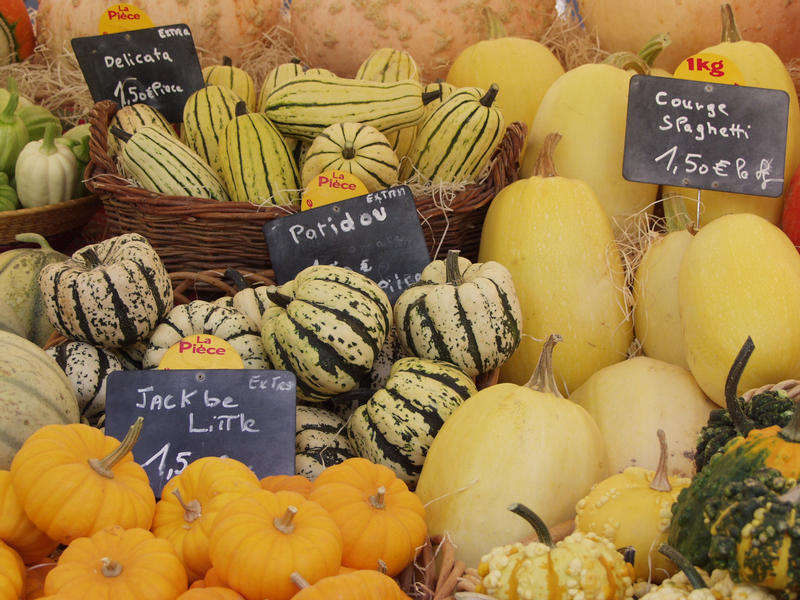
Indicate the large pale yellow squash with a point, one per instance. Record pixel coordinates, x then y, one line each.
740 277
553 236
588 106
509 443
633 399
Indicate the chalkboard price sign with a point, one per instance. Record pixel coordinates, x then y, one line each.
246 414
156 66
706 135
378 235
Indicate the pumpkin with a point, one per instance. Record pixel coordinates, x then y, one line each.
120 563
217 30
585 563
379 517
191 500
12 573
234 78
35 393
720 274
16 529
339 36
557 242
46 171
17 38
320 440
290 483
327 327
19 285
364 584
463 313
509 441
210 593
73 480
259 539
35 576
110 294
396 426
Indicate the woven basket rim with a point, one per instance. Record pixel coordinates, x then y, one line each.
50 219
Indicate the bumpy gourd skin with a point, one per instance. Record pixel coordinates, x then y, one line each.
720 587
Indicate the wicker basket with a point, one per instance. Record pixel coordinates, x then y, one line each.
49 220
197 234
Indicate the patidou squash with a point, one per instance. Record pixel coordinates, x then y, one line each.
320 440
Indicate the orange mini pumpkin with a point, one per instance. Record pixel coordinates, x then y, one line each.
259 539
289 483
16 529
210 593
12 573
35 575
364 584
73 480
380 518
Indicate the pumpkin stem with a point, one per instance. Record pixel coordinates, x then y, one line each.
741 421
543 379
348 152
279 299
120 133
299 580
104 466
545 165
48 146
382 566
628 554
628 61
453 273
111 567
490 95
379 499
791 431
241 108
730 30
535 521
430 96
653 47
676 216
192 510
285 523
33 238
8 116
685 565
90 257
226 61
238 279
660 481
496 28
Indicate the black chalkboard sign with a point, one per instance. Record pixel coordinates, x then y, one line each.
378 235
157 66
705 135
246 414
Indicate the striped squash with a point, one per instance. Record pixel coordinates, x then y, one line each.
237 80
201 317
109 294
256 162
277 75
162 163
87 367
396 426
320 441
463 313
205 114
251 301
443 91
354 148
35 393
327 326
130 118
304 106
458 138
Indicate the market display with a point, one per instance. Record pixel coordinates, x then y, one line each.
587 390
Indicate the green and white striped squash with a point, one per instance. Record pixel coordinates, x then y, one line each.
353 148
327 326
131 356
279 74
251 301
320 441
463 313
35 392
257 164
130 119
109 294
87 368
19 288
205 114
201 317
457 140
397 424
236 79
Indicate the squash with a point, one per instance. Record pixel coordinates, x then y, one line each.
320 440
35 393
130 118
234 78
46 171
250 300
556 240
210 593
111 293
12 573
206 112
35 116
291 483
364 584
722 269
119 563
17 38
461 312
13 135
279 74
35 576
16 529
8 195
509 442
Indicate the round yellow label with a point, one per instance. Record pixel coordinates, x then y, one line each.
201 352
331 186
123 17
710 67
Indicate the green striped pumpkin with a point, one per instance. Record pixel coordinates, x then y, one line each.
87 367
130 119
205 114
320 441
327 326
200 317
463 313
396 426
457 140
256 162
237 80
35 392
109 294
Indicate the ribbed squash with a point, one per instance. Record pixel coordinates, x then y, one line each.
130 118
205 114
252 301
277 75
320 440
16 529
236 79
12 573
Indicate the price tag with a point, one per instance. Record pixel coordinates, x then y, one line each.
706 135
710 67
123 17
246 414
201 352
331 186
156 66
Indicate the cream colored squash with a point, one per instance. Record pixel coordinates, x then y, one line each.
740 277
632 399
